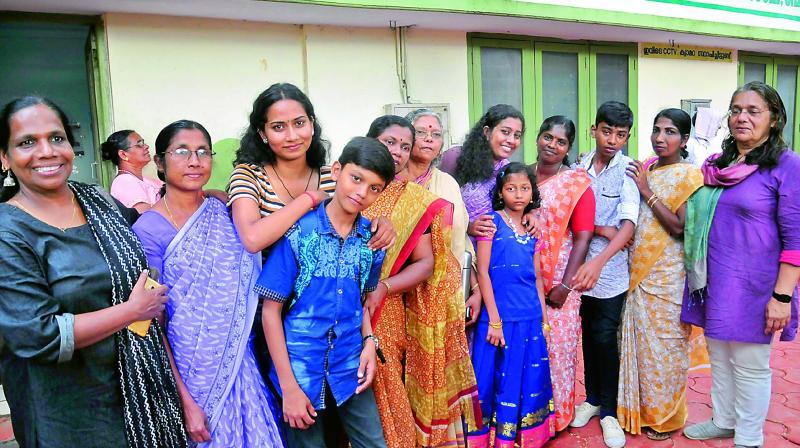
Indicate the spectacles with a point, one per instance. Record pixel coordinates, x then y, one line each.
140 144
421 133
183 153
753 112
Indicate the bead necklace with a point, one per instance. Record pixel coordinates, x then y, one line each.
62 229
520 239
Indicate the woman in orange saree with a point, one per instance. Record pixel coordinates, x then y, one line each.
567 215
426 388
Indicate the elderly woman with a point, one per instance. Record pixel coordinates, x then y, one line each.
128 151
425 152
742 243
71 281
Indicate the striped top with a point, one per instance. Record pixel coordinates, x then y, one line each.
251 181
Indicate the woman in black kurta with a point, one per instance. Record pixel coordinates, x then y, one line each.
71 281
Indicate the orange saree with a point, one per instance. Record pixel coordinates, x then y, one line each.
427 384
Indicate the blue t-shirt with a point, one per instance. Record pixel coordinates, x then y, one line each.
323 277
513 275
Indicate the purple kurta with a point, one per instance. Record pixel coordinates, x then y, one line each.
754 222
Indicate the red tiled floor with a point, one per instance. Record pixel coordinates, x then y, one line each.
782 429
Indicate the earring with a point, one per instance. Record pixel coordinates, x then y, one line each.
264 139
9 180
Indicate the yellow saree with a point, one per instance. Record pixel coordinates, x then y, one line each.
654 350
427 383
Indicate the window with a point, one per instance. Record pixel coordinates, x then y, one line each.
551 78
782 73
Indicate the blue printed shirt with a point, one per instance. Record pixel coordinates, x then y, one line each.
322 277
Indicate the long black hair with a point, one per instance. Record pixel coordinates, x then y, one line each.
253 150
109 149
681 120
766 155
8 111
502 178
164 139
476 162
384 122
569 128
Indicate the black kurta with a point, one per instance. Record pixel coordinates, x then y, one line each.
45 272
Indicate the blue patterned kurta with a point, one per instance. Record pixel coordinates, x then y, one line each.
323 277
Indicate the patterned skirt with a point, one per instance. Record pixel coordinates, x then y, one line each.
514 387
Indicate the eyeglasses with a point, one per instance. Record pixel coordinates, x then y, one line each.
183 153
421 133
753 112
140 144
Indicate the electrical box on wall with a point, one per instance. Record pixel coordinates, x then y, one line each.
690 106
443 109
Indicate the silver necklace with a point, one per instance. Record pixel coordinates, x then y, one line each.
520 239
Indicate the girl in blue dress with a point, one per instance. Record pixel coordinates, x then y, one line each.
510 351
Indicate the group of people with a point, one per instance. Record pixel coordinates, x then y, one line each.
402 296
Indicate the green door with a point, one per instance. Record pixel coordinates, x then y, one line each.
50 60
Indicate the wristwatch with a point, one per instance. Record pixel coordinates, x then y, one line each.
378 350
783 298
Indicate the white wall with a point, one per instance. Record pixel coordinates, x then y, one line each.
664 82
168 68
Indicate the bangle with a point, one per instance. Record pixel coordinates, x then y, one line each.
652 200
545 326
496 325
472 288
373 338
387 285
567 287
313 199
783 298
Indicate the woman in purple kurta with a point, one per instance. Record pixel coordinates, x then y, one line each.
743 262
194 245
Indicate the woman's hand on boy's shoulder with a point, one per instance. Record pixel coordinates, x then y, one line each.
383 234
367 366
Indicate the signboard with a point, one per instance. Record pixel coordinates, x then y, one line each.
776 9
686 52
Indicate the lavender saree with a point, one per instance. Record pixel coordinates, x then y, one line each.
210 314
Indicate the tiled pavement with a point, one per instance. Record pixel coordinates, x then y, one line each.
782 428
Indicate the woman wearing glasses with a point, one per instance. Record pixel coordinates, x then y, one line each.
742 253
192 241
127 150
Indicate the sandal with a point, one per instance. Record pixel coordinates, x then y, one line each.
655 435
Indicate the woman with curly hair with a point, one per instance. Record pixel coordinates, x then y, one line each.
487 148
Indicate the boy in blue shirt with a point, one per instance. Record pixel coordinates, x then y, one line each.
323 351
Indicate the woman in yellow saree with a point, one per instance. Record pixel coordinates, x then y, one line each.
654 349
427 385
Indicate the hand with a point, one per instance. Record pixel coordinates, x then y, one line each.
366 366
533 224
297 409
196 422
630 242
319 197
607 232
495 337
374 298
587 275
217 194
474 304
557 297
638 173
144 303
482 227
383 234
778 315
